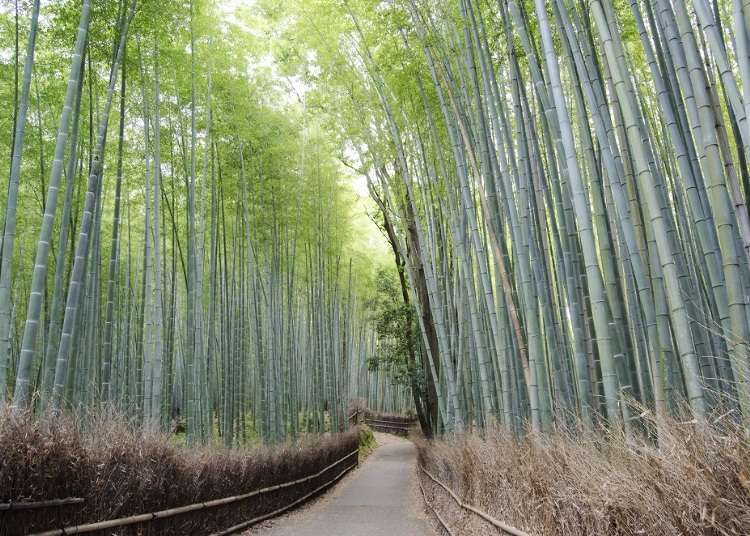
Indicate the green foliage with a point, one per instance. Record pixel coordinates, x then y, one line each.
395 325
367 442
262 247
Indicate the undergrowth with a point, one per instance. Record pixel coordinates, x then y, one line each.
696 481
367 442
119 471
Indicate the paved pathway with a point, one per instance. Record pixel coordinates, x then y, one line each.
380 499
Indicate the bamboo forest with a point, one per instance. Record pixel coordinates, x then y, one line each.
475 266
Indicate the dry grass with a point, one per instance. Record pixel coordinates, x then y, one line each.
121 472
357 405
696 482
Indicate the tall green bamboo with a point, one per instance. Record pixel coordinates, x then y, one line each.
9 232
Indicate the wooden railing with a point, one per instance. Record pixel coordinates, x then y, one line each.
350 459
401 427
504 528
380 423
35 505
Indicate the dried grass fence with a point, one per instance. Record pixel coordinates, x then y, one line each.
116 474
502 527
695 482
171 512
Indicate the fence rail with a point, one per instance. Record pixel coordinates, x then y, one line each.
404 424
400 427
507 529
283 509
162 514
440 519
6 507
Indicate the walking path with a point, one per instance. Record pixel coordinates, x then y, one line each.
380 499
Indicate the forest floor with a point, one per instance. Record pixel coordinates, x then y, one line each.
380 498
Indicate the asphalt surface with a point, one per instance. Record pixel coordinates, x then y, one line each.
380 499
